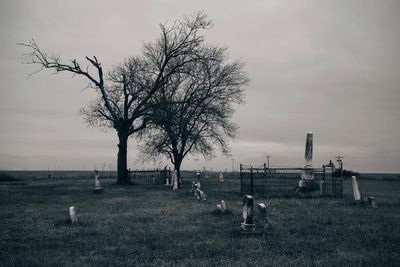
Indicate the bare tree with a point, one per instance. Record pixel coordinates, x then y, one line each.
191 112
124 94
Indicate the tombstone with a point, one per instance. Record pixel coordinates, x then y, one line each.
72 215
263 210
97 186
201 196
221 177
222 206
322 187
307 173
262 207
372 202
308 155
194 187
301 184
174 180
248 225
356 191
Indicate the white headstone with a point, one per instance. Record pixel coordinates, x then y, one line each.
72 215
221 177
262 207
222 206
97 186
193 187
356 191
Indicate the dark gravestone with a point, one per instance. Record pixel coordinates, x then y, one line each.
248 225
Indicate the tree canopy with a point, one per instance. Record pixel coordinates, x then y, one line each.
192 111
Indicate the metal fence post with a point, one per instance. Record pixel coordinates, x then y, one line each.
265 180
251 180
323 179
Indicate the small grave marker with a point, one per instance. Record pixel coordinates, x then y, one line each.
97 186
221 177
356 191
72 215
263 210
372 202
222 206
201 195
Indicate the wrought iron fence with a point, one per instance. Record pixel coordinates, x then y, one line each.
260 180
150 177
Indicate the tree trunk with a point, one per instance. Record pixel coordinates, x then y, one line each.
122 169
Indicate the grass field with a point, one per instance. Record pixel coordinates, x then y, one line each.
153 226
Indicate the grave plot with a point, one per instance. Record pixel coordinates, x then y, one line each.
268 182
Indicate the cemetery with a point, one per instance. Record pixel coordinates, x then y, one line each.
47 221
258 216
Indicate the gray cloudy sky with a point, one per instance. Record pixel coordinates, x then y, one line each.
330 67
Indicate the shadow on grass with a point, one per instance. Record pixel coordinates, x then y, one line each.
221 214
67 223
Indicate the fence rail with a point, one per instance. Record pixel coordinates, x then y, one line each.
149 177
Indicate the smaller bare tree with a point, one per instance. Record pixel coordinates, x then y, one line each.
191 113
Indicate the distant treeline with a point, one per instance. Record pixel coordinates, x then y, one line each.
380 176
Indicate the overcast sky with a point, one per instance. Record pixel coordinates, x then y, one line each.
330 67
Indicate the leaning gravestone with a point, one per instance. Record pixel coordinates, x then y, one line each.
201 196
72 215
97 186
222 207
248 225
372 202
356 191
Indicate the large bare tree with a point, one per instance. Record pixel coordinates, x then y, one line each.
124 94
191 112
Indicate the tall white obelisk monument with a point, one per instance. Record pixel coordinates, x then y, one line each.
308 155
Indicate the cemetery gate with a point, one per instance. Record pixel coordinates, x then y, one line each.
260 180
150 177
